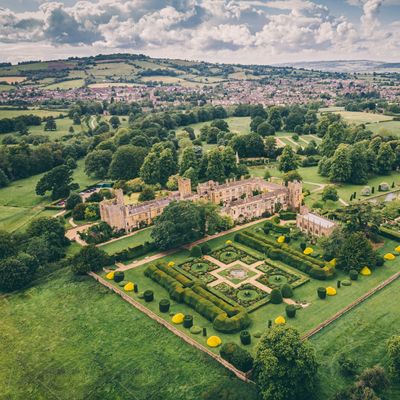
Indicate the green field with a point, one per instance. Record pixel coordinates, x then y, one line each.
355 117
65 339
386 128
131 241
4 113
64 85
19 203
361 335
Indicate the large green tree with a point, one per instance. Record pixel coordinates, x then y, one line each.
189 160
393 349
90 258
16 272
285 367
340 167
215 166
58 181
287 160
126 162
385 159
150 170
179 223
98 162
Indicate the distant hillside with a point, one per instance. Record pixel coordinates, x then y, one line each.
136 69
348 66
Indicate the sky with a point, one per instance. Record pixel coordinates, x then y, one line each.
229 31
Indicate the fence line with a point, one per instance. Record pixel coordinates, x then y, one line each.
241 375
349 307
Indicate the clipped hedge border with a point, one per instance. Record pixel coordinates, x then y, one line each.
389 233
225 317
275 251
135 251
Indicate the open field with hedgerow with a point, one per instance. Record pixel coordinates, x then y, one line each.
65 339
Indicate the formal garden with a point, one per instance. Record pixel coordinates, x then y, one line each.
250 281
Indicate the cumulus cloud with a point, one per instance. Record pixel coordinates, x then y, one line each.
200 27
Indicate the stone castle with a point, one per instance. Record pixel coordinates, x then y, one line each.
242 200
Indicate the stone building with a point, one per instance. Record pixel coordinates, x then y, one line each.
315 225
242 200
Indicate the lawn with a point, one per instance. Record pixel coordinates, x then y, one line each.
355 117
80 341
19 202
385 128
362 336
130 241
63 125
65 85
4 113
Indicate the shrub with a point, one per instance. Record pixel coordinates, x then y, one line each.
195 330
290 310
287 215
164 305
321 291
205 248
148 296
347 366
238 357
119 276
353 274
379 261
286 291
303 246
275 219
276 296
245 337
389 233
188 321
196 252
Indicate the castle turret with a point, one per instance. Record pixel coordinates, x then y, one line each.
295 195
184 187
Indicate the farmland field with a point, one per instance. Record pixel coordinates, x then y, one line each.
5 113
385 128
354 117
70 84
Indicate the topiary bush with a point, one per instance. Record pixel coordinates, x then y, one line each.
122 283
257 334
276 296
148 296
321 291
195 330
238 357
303 246
119 276
286 291
379 261
188 321
353 274
345 282
196 252
245 337
291 310
206 249
164 305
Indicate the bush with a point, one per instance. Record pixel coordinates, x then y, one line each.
119 276
188 321
238 357
389 233
245 337
321 293
303 246
205 248
164 305
347 366
276 296
379 261
286 291
287 215
134 252
148 296
195 330
353 274
196 252
291 310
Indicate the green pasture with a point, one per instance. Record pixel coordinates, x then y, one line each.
5 113
386 128
65 85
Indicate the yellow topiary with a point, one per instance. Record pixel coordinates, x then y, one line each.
171 264
281 239
332 262
331 291
228 242
178 318
214 341
397 249
308 250
110 275
280 320
389 256
128 287
365 271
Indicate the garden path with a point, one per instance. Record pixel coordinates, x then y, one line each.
73 233
138 263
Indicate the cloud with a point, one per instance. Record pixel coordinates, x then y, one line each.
202 28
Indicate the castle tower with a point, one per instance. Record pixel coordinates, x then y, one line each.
295 195
184 187
119 196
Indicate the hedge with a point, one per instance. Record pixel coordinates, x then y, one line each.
276 296
290 310
148 296
353 274
389 233
276 251
225 317
276 228
238 357
321 291
287 291
245 337
136 251
188 321
287 215
164 305
119 276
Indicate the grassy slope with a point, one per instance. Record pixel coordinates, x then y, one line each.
362 335
75 340
19 203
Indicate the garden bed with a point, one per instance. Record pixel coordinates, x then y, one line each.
198 268
230 253
237 274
